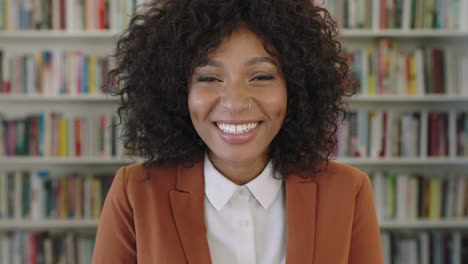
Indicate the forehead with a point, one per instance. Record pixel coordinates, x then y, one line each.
242 43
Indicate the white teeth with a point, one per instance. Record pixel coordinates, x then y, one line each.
237 129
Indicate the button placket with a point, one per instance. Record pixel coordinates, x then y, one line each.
244 196
245 221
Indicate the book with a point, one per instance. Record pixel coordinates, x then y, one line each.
40 195
407 196
54 72
61 135
69 15
46 247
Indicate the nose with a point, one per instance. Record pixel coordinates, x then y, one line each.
236 97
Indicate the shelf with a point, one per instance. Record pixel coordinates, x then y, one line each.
57 34
350 161
62 161
93 224
47 224
425 224
405 161
396 33
12 98
409 98
57 98
345 33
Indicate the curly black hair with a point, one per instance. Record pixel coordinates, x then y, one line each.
162 45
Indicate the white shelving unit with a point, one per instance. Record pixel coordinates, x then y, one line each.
400 33
5 161
393 99
13 99
38 225
92 224
399 99
345 33
57 34
27 161
450 224
103 42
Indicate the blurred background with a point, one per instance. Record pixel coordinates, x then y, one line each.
408 126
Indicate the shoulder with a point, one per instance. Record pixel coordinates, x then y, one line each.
342 177
140 181
137 172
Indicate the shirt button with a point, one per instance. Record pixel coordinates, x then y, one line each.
244 223
243 192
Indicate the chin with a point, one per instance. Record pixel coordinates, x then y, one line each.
237 155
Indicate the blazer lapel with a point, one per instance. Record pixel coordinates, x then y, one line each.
187 203
301 205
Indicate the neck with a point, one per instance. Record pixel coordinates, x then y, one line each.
239 173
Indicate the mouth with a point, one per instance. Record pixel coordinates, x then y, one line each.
238 127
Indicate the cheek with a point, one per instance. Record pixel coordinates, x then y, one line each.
278 103
195 102
199 103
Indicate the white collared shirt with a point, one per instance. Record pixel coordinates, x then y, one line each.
245 224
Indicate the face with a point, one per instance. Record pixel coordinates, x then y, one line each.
238 101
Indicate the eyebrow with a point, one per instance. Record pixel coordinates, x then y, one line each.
250 62
261 60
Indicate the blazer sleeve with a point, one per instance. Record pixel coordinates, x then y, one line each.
365 237
115 238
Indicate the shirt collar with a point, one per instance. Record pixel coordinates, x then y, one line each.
219 189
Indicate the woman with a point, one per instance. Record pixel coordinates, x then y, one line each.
234 105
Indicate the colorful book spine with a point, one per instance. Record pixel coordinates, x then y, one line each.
415 196
425 247
56 135
64 14
54 73
45 247
40 195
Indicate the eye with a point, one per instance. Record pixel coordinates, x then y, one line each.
208 79
262 78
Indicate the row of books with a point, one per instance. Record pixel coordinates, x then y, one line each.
413 196
46 248
379 134
427 247
462 134
381 71
386 70
349 14
43 194
53 134
398 14
423 14
66 14
115 14
56 72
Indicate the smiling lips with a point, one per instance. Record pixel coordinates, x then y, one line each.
237 129
237 132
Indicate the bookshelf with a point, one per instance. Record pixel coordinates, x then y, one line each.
100 42
345 34
13 99
406 34
59 34
91 225
40 225
394 47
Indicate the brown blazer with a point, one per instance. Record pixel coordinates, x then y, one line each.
331 218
